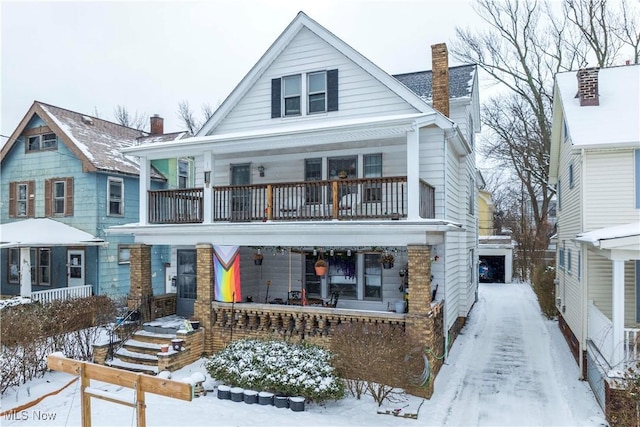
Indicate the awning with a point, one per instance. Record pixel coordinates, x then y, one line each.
44 232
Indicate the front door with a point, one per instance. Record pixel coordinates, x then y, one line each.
186 282
240 197
75 268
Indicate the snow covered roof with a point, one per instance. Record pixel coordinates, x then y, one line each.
461 80
615 119
625 237
96 142
44 232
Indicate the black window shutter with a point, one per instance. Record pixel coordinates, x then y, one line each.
332 90
275 98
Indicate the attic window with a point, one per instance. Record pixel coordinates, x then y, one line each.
48 141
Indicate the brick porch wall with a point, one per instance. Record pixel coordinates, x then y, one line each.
202 309
141 292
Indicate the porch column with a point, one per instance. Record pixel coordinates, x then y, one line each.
202 308
25 272
413 173
421 330
617 316
141 292
143 188
207 200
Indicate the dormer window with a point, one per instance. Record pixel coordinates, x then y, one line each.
320 92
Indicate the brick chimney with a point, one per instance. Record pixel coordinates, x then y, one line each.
440 78
157 125
588 86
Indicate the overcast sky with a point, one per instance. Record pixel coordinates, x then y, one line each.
149 56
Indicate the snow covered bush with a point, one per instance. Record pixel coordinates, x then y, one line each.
278 367
545 289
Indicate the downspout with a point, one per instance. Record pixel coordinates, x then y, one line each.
445 332
583 287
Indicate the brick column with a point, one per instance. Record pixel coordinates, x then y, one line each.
140 291
203 310
420 326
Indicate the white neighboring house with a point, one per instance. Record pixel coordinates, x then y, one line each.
319 150
595 162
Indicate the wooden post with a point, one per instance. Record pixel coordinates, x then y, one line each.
140 382
334 195
269 202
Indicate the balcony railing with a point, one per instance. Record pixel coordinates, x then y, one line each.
365 198
62 293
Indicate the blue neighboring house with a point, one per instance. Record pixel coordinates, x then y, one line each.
67 166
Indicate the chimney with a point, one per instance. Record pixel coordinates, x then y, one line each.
440 78
157 125
588 86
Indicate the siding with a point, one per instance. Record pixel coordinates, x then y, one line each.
600 271
569 225
360 95
610 197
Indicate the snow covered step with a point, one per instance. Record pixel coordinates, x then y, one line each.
137 358
135 367
152 337
145 347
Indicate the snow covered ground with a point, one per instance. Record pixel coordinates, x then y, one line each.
509 367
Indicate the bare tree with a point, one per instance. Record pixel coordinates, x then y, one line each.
124 118
628 28
594 21
190 122
525 46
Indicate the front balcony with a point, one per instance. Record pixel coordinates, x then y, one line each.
343 199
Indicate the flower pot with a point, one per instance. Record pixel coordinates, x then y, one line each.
257 261
164 348
400 307
280 401
195 324
321 271
265 398
224 392
296 404
237 394
250 397
387 265
177 344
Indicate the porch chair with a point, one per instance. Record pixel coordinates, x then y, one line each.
349 203
333 301
289 206
294 298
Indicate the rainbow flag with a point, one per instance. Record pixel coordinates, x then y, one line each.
226 267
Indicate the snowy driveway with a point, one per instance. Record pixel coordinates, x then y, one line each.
510 366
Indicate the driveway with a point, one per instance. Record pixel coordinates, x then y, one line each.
510 366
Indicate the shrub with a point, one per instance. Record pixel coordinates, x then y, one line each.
32 331
278 367
545 289
374 357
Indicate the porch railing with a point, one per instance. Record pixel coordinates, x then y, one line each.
62 293
631 344
364 198
600 333
182 206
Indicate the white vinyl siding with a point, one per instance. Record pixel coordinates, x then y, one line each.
360 95
609 197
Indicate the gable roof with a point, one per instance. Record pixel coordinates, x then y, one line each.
303 21
615 120
461 80
95 142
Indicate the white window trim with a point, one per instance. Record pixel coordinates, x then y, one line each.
109 181
301 95
19 200
122 250
41 146
55 198
309 93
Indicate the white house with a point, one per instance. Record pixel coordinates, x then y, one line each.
319 153
595 162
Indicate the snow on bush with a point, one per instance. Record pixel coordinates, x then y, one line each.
278 367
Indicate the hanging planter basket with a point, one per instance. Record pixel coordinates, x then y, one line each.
321 267
257 258
387 261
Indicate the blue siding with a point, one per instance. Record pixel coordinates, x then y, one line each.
89 214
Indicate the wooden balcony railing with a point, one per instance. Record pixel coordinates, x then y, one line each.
364 198
180 206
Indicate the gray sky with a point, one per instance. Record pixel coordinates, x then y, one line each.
149 56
